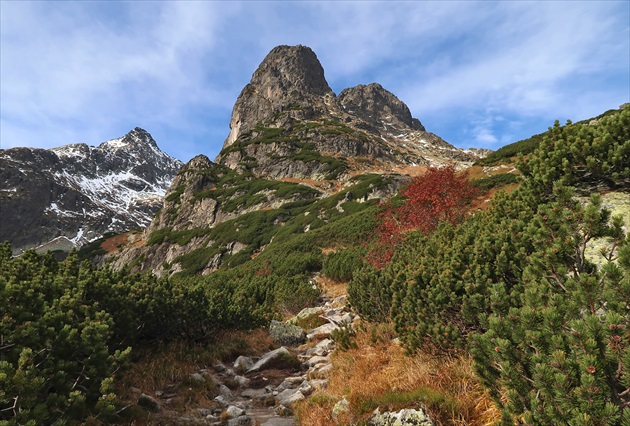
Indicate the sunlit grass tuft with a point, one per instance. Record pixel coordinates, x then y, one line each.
378 374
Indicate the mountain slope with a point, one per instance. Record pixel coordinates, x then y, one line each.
76 193
295 156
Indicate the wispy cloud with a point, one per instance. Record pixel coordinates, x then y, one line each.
82 71
476 73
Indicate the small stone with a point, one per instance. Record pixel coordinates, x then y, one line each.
295 380
241 421
319 384
197 379
289 397
281 355
148 402
233 411
222 400
283 411
306 388
316 360
325 330
343 406
219 368
225 392
315 352
326 344
242 381
243 363
336 319
284 386
325 371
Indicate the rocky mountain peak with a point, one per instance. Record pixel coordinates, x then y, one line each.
79 192
287 69
136 139
290 77
376 105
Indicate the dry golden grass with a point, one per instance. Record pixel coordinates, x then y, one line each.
331 287
168 367
379 374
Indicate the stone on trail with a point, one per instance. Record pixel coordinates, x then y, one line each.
325 330
243 363
289 397
233 411
286 334
273 359
241 421
410 417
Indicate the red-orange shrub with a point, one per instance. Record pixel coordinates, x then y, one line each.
438 195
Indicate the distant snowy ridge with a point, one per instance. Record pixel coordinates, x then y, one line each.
80 192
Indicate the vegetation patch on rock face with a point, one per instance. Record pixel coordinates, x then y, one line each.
294 141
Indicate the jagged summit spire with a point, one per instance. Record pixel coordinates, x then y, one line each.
288 76
291 68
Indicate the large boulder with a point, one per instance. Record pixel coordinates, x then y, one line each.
286 334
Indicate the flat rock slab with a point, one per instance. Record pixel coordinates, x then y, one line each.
270 358
289 397
279 421
255 393
325 329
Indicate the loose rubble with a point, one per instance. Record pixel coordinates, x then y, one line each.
266 390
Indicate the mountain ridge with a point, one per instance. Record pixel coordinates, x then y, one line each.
79 192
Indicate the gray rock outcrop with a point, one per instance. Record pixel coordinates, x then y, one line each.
286 334
406 417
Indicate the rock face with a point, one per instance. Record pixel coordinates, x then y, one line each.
287 122
377 106
76 193
287 76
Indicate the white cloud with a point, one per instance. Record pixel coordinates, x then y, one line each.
72 65
534 50
84 70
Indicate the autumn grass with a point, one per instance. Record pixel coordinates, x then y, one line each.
378 374
331 287
167 367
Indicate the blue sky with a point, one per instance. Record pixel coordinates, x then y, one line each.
479 74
